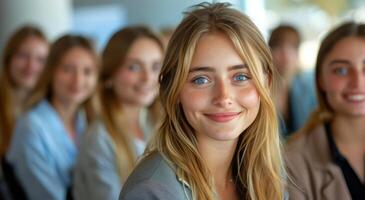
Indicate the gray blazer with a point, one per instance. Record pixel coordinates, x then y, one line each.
155 179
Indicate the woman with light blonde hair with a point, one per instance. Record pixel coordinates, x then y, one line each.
129 113
46 137
219 137
22 62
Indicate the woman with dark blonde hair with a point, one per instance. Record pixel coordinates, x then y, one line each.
129 113
46 137
22 62
219 137
326 160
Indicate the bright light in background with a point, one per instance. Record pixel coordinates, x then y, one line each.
257 13
308 54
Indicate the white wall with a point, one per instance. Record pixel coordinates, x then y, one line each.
53 16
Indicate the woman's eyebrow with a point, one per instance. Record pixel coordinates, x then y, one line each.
212 69
202 68
339 61
235 67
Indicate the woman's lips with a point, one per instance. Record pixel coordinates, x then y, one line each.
223 117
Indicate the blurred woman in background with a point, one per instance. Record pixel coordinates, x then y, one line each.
23 60
295 96
326 160
46 137
129 113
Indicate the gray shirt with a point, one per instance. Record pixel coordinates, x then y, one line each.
96 173
155 179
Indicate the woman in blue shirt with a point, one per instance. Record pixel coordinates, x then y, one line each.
128 88
44 146
22 62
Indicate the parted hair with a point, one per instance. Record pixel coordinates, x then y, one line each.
112 114
43 88
324 112
7 85
257 163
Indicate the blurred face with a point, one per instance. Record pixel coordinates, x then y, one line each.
27 63
285 58
343 77
219 98
75 77
136 81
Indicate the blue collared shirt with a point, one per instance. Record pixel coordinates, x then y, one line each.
42 152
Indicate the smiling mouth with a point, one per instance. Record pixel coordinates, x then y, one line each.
223 117
355 97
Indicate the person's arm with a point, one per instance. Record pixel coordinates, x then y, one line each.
96 174
33 164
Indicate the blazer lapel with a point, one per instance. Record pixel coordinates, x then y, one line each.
334 186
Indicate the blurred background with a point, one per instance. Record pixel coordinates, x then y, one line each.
98 19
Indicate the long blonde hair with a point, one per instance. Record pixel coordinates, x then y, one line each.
7 110
257 164
112 114
324 112
59 49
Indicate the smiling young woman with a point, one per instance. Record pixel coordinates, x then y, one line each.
23 61
130 113
46 137
326 159
219 136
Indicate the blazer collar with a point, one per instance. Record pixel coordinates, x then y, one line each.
319 153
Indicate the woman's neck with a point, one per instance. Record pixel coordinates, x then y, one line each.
349 131
66 111
218 156
349 136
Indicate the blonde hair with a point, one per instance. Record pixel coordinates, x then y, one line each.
7 85
59 49
111 113
257 164
324 112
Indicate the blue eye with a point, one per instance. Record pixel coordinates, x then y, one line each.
240 77
341 71
134 67
200 81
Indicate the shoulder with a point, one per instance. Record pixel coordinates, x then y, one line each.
97 133
304 142
40 115
30 124
153 178
306 154
153 167
97 142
